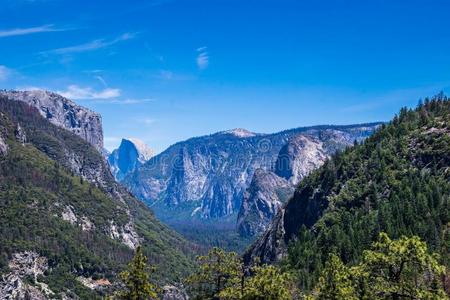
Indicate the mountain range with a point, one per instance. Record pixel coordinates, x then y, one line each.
209 178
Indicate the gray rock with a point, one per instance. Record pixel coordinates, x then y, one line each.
131 154
64 113
20 134
300 156
262 200
269 190
171 292
13 285
3 146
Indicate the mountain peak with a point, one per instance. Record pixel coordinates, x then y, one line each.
145 152
239 132
131 154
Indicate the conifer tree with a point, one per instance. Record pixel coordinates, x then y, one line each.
136 279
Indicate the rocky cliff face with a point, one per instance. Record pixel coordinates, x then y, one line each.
207 176
302 154
64 113
131 154
262 200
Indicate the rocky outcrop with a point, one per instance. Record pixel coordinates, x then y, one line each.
301 155
131 154
208 175
270 189
94 284
13 285
3 146
126 234
171 292
64 113
262 200
271 246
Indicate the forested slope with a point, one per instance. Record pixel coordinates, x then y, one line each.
397 181
59 200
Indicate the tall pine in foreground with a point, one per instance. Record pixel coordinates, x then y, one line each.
137 280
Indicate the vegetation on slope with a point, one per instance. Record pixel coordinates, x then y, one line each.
37 185
397 181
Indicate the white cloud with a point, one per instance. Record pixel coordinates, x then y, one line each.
202 58
77 92
92 45
4 72
29 30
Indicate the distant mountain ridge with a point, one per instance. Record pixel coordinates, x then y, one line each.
206 177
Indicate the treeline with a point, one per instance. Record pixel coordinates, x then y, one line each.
391 269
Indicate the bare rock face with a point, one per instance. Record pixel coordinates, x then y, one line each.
271 245
3 146
299 157
302 154
262 200
131 154
25 264
64 113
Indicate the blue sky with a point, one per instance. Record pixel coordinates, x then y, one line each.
164 71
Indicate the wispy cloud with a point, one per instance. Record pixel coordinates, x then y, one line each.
86 93
30 30
4 72
102 80
128 101
202 58
168 75
92 45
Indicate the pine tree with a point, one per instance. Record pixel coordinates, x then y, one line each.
336 282
403 269
265 283
217 271
136 280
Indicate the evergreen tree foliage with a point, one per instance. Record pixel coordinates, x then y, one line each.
222 275
402 269
137 280
265 283
390 270
217 271
336 282
397 181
